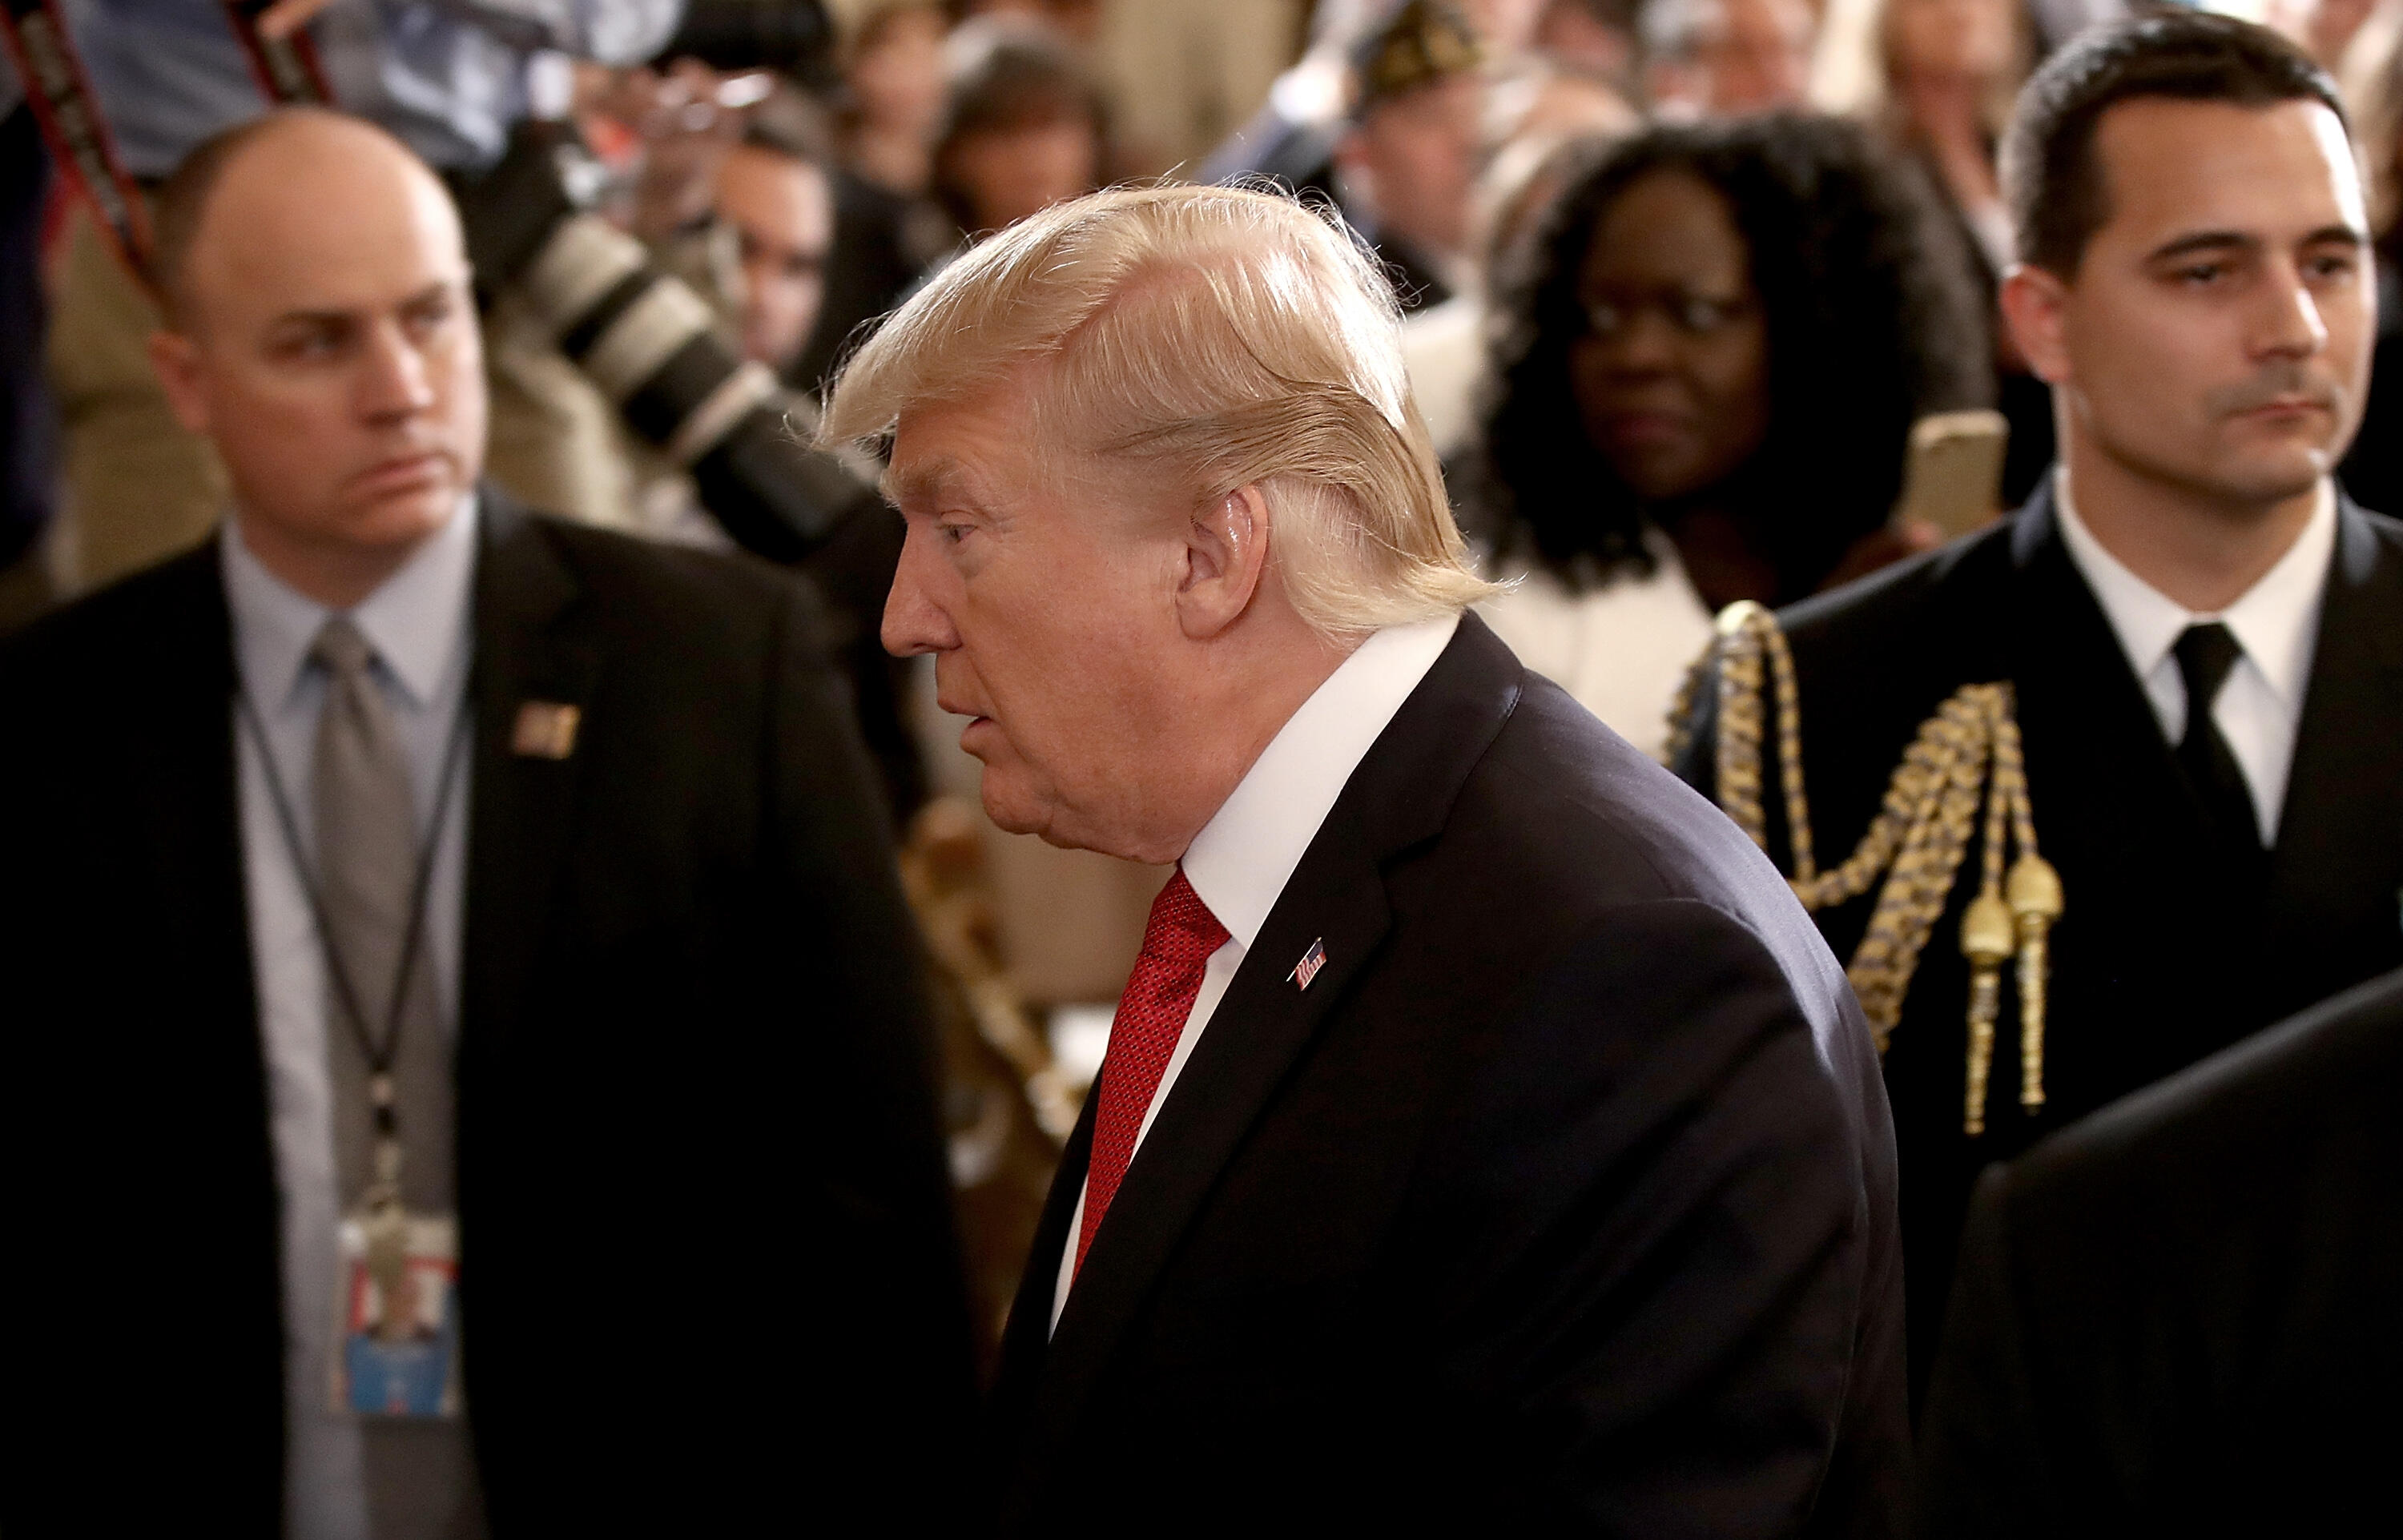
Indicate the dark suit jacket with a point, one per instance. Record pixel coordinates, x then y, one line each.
2180 1317
707 1267
1559 1202
2158 958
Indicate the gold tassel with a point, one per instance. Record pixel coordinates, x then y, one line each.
1986 941
2035 894
1916 842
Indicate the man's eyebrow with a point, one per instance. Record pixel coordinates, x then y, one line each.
924 481
432 293
2201 240
312 317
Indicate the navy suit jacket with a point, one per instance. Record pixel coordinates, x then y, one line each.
1561 1202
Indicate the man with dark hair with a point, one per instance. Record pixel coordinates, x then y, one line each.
2178 1317
1023 128
2137 748
465 1068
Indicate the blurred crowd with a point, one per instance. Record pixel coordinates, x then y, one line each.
1662 261
1700 298
1838 237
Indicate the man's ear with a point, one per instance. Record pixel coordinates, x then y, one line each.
177 364
1225 552
2035 305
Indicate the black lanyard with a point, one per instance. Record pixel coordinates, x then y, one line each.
379 1056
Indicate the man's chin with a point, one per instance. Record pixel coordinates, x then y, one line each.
404 515
1012 810
2277 480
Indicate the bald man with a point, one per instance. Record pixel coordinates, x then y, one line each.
467 1070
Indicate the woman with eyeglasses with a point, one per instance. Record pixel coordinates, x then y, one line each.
1703 373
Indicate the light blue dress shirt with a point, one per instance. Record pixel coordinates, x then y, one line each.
448 77
420 623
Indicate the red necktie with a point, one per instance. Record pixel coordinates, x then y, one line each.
1177 947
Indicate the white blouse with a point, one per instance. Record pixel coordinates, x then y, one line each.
1621 649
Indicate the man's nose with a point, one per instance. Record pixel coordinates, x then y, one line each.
913 621
397 380
2290 324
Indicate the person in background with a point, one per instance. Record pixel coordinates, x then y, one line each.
1549 109
2181 650
1598 38
774 192
1703 377
2372 470
424 888
1023 128
1405 169
1937 78
452 81
886 113
2179 1316
748 220
1726 57
1289 138
892 93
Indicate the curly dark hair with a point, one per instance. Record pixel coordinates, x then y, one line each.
1869 298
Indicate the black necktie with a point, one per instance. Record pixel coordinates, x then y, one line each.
2204 654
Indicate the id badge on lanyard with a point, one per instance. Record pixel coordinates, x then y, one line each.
396 1316
397 1292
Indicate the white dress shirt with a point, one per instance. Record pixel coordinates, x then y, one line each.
2276 621
1240 862
421 624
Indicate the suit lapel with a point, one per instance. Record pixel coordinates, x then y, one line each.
190 814
194 813
2099 771
1027 1337
1336 900
2341 828
533 645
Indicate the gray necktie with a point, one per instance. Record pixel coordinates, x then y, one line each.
420 1479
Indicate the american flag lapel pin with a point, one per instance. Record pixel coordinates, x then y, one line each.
545 730
1312 961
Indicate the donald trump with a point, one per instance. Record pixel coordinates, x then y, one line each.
1486 1140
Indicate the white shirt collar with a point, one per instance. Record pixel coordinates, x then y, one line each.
1240 862
2275 620
416 621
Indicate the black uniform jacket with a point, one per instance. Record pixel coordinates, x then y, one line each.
707 1268
2159 958
2179 1317
1560 1202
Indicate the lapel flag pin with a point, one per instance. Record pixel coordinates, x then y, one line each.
1312 961
545 730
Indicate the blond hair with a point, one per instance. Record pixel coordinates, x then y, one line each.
1221 337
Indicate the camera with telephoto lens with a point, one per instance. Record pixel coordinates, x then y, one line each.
652 347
